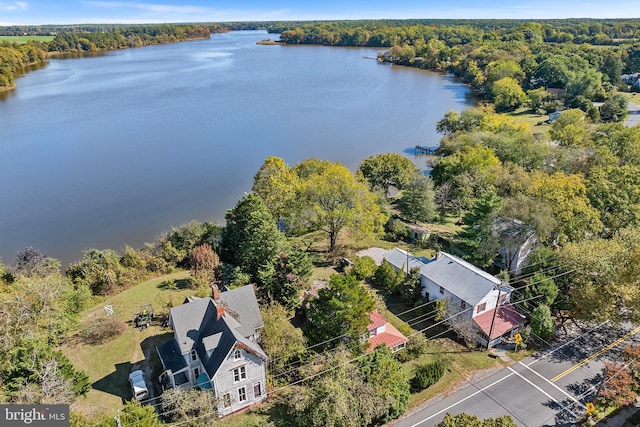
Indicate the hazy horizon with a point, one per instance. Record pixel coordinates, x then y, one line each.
59 12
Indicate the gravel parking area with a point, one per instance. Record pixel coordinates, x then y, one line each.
376 253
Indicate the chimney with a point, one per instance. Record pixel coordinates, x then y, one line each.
215 292
219 310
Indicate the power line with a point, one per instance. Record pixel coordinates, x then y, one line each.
409 322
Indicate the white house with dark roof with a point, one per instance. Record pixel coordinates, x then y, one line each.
476 294
215 347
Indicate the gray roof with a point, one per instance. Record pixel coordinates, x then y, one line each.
398 258
196 326
228 338
170 356
462 279
242 305
187 320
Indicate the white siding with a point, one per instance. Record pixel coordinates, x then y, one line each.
225 382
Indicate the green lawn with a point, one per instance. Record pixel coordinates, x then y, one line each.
24 39
537 123
460 362
632 97
108 365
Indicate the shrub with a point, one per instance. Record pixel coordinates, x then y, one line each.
542 323
397 230
103 329
364 267
427 375
417 345
386 277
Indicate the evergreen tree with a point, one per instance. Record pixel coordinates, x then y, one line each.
251 240
476 241
341 309
418 200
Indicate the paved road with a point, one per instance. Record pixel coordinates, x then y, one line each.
549 389
634 115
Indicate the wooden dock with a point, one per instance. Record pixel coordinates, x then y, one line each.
430 151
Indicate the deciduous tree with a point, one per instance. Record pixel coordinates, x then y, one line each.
602 281
466 420
566 195
333 199
203 264
278 186
385 170
284 343
507 94
385 375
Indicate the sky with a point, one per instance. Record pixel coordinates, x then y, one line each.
37 12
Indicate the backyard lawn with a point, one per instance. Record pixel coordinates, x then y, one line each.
108 365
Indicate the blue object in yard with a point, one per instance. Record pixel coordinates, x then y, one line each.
203 382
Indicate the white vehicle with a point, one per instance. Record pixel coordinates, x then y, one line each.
138 385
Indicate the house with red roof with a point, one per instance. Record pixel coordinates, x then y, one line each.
383 332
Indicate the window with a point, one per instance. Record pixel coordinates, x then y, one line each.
441 290
257 390
194 355
237 355
242 394
196 373
239 374
482 307
462 304
227 400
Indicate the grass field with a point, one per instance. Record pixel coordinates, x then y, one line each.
109 364
460 364
632 97
537 123
24 39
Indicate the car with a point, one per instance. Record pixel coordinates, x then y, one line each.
138 385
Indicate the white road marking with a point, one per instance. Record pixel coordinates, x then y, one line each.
543 392
462 400
556 386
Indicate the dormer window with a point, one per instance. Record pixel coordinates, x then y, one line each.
237 355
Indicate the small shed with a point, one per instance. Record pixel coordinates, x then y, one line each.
418 233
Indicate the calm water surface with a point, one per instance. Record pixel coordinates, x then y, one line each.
115 149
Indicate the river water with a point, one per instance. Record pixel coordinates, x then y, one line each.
115 149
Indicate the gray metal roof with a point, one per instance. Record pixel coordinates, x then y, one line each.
398 258
462 279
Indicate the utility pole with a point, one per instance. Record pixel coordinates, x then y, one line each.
407 263
493 319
